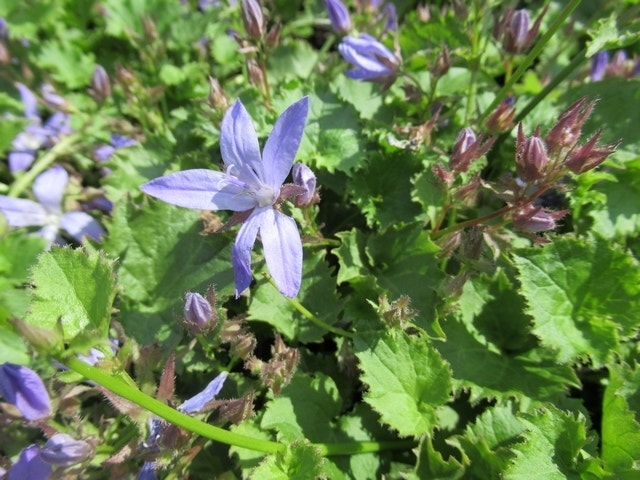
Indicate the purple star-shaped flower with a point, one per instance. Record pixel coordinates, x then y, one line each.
252 184
48 189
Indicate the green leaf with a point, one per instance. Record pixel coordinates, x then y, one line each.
551 446
487 372
406 380
161 256
67 63
73 288
306 408
12 347
432 465
582 294
301 461
317 293
621 422
607 36
290 60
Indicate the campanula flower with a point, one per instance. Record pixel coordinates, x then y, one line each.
199 402
48 188
36 135
338 16
104 152
30 465
372 60
22 387
252 187
62 450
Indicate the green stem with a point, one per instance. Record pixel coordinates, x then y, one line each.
531 56
310 316
44 162
120 387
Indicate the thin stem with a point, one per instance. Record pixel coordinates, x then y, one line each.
310 316
531 56
44 162
119 387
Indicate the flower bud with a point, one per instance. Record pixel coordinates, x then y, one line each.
599 64
442 174
23 388
236 410
515 31
338 16
531 157
217 97
442 63
466 149
501 119
566 132
52 99
536 219
125 77
256 77
5 55
62 450
253 18
390 13
100 84
199 313
304 177
273 35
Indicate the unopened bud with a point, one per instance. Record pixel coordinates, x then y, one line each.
566 132
589 155
531 157
253 18
217 98
126 77
501 119
442 63
515 31
62 450
150 29
304 177
5 56
100 83
599 64
536 219
618 64
52 99
199 313
236 410
466 149
231 329
243 345
442 174
256 77
338 16
273 35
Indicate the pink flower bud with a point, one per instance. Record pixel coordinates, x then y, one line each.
100 84
589 155
466 149
199 314
566 132
536 219
531 157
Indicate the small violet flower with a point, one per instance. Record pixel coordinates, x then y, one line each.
199 402
30 465
22 387
599 64
62 450
338 16
252 187
35 136
372 60
48 189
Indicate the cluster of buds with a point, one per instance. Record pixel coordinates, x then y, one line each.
242 342
279 370
515 31
397 313
200 315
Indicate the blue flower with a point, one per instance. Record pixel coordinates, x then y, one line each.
30 465
599 64
252 187
104 152
338 16
48 188
22 387
199 402
36 135
371 59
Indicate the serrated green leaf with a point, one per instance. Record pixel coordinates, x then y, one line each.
551 446
607 36
582 294
489 373
317 293
292 59
67 63
306 408
621 423
432 465
301 461
73 288
406 380
161 256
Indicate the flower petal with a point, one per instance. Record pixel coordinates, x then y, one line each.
29 101
239 145
30 465
201 189
283 142
282 251
49 187
199 402
241 251
21 160
79 224
22 387
20 212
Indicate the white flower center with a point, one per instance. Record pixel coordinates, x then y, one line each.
266 195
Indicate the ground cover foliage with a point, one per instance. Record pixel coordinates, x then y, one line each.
461 299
